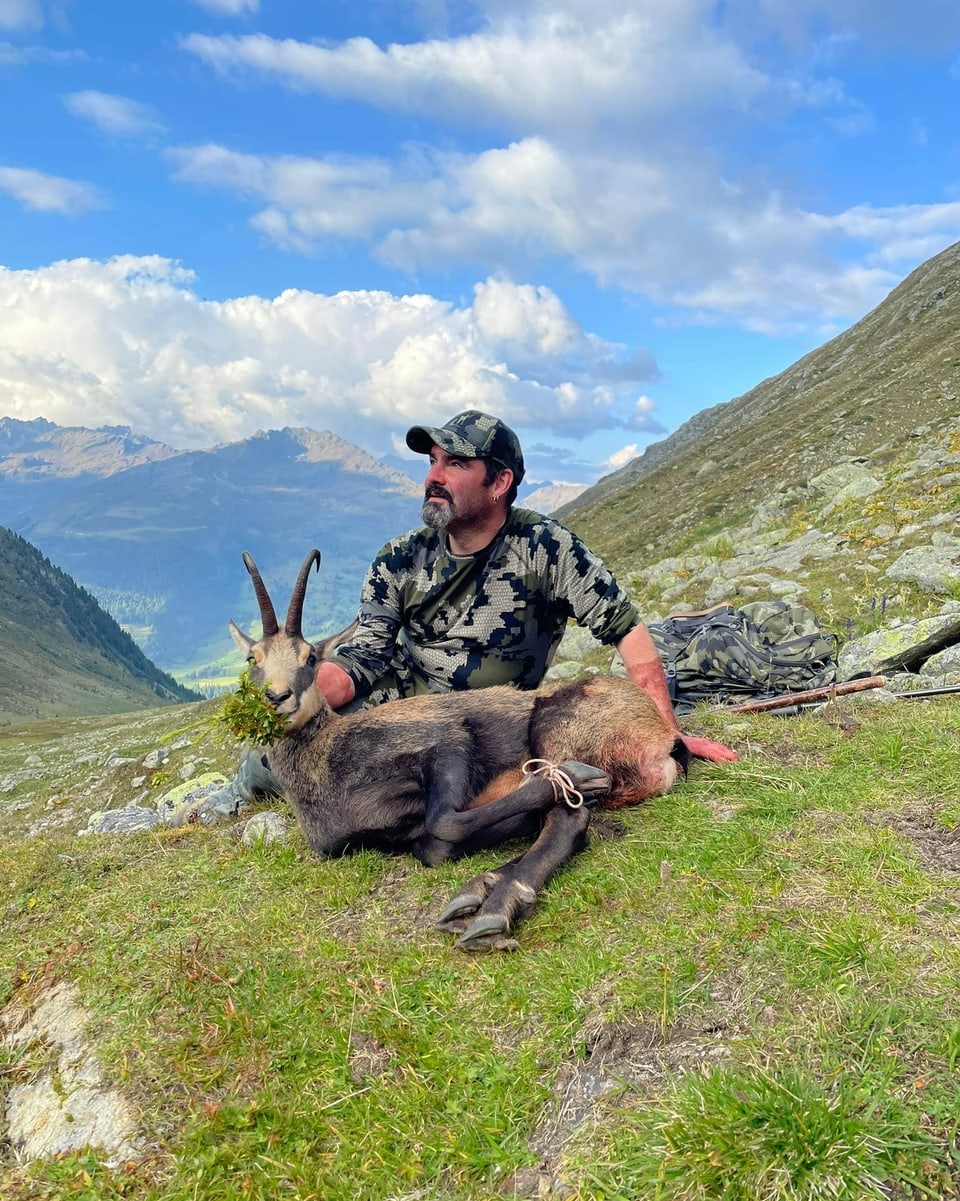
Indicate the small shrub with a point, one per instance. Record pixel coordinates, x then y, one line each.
248 716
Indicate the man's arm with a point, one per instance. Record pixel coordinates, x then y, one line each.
644 668
355 665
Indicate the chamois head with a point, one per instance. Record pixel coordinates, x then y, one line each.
282 660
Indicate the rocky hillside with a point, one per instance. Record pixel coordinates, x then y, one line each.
834 482
61 653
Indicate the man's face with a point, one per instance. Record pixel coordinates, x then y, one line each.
454 491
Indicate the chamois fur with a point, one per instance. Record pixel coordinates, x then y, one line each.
441 775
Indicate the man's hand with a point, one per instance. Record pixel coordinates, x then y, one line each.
335 685
706 748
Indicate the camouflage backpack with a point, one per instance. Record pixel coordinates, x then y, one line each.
726 654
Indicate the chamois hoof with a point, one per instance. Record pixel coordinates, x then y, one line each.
454 917
592 783
489 932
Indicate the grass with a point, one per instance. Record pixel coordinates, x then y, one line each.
745 990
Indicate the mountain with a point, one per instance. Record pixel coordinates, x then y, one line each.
873 395
40 460
156 535
61 653
548 497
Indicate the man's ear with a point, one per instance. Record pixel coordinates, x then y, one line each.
503 482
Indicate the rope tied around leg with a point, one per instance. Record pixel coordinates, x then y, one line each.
563 787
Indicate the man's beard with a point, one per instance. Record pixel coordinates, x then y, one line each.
437 517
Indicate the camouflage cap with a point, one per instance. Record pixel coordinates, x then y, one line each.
472 435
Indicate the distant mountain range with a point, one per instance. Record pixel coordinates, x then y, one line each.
60 652
156 535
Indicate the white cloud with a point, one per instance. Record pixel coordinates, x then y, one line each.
11 55
621 457
48 193
670 231
230 8
114 115
554 72
129 342
20 14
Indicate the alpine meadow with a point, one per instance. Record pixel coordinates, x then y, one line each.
745 990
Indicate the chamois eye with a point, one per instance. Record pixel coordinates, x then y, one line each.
311 660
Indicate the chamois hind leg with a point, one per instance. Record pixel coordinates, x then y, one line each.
499 899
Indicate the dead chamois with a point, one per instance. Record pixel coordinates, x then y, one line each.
444 775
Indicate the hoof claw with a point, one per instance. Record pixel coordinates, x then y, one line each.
488 933
453 918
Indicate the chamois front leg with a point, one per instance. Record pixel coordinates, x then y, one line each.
498 900
493 807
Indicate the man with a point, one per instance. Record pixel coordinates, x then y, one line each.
483 593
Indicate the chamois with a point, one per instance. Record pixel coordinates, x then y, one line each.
443 775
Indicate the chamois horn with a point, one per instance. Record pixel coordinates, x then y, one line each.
295 611
267 616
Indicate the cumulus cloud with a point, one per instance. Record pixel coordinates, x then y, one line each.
114 115
20 14
621 457
129 342
738 253
48 193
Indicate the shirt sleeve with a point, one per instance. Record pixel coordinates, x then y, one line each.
369 653
589 589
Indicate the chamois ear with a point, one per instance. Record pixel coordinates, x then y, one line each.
243 641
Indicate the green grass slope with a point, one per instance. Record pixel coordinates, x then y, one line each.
60 652
745 990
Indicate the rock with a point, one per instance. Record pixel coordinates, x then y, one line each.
841 475
115 760
265 829
892 648
944 667
66 1106
575 643
568 670
934 568
154 759
191 795
130 820
857 489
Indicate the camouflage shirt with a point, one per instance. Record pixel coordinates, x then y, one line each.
431 621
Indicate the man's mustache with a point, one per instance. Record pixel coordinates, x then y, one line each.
435 490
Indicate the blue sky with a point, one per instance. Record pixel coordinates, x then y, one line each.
594 217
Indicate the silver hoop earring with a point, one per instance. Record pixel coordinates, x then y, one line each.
495 497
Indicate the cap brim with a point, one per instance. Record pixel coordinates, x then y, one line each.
423 438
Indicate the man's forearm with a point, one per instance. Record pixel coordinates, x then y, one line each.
644 668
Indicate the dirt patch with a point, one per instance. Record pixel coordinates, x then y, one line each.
369 1058
937 846
618 1059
